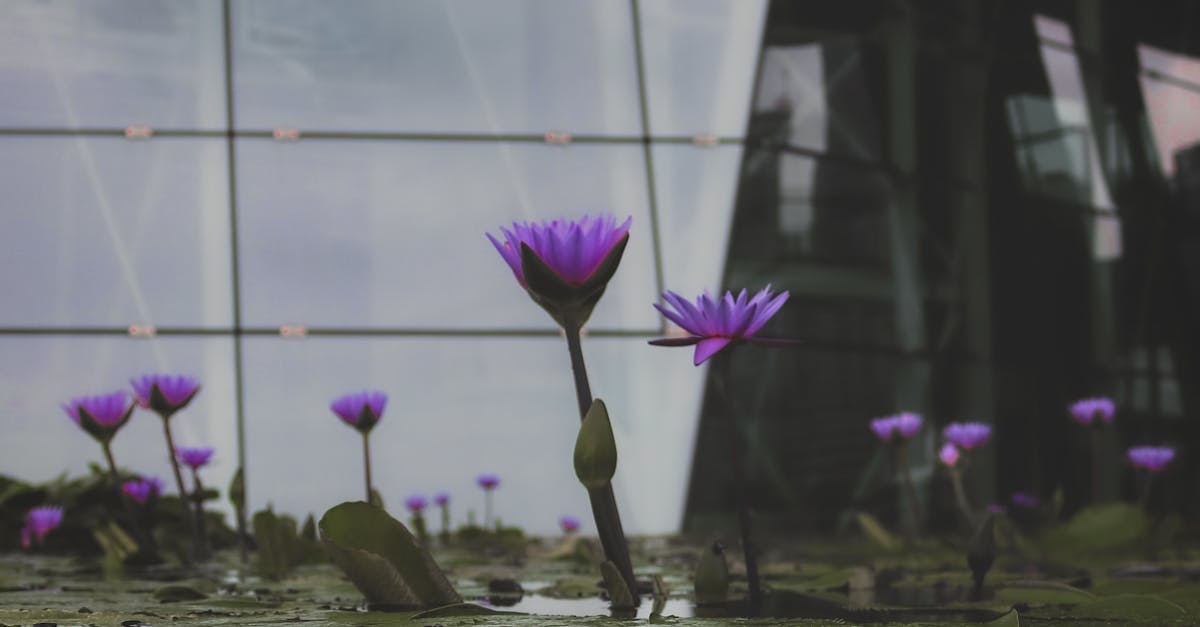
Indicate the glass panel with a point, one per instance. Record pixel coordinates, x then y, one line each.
80 64
111 232
700 59
815 96
463 406
429 65
1074 121
388 234
1054 30
1171 64
37 374
1172 110
696 189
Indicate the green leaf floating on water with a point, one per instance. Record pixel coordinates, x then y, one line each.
1011 619
595 448
382 558
1042 593
1098 528
1131 606
462 609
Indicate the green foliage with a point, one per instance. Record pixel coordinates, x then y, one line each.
237 489
595 448
1098 529
280 547
382 558
1124 605
461 609
178 592
873 529
712 576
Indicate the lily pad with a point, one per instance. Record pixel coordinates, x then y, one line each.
1043 593
382 558
1131 605
1098 529
176 592
461 609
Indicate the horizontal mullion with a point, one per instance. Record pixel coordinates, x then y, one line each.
314 332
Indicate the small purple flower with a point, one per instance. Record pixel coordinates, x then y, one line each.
416 503
1024 500
968 435
1152 458
488 481
163 393
42 520
573 249
1085 411
194 457
949 455
712 324
569 524
442 499
100 415
905 425
361 410
884 428
141 490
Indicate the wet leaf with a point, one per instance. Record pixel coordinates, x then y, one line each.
873 529
1099 528
461 609
178 592
1042 592
1131 606
382 558
1011 619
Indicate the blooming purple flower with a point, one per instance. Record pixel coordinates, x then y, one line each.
101 415
442 499
1024 500
968 435
949 455
194 457
569 524
1152 458
415 503
163 393
142 489
42 520
573 249
1085 410
712 324
904 425
361 410
488 481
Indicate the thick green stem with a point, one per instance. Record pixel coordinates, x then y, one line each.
145 543
366 437
183 493
737 451
604 501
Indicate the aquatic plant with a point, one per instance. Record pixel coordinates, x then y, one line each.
1153 460
39 522
1095 413
196 458
442 500
488 482
165 395
713 324
569 524
565 266
1024 500
362 411
967 436
898 429
949 454
143 489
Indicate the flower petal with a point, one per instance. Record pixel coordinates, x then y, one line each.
708 347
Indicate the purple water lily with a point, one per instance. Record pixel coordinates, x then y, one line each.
569 524
1024 500
194 457
488 481
712 324
100 415
905 425
164 394
42 520
968 435
1151 458
441 499
416 503
1086 410
141 490
361 410
949 455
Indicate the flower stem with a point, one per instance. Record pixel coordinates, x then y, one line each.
604 501
198 500
487 509
960 496
1144 500
145 543
183 493
737 446
910 491
1097 445
367 463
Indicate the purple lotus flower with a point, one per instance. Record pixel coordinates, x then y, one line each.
163 393
415 504
361 410
949 455
42 520
1085 411
442 499
488 481
100 415
1152 458
569 524
968 435
712 324
565 264
905 425
1024 500
194 457
141 490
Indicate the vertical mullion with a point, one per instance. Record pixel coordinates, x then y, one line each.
230 147
648 154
